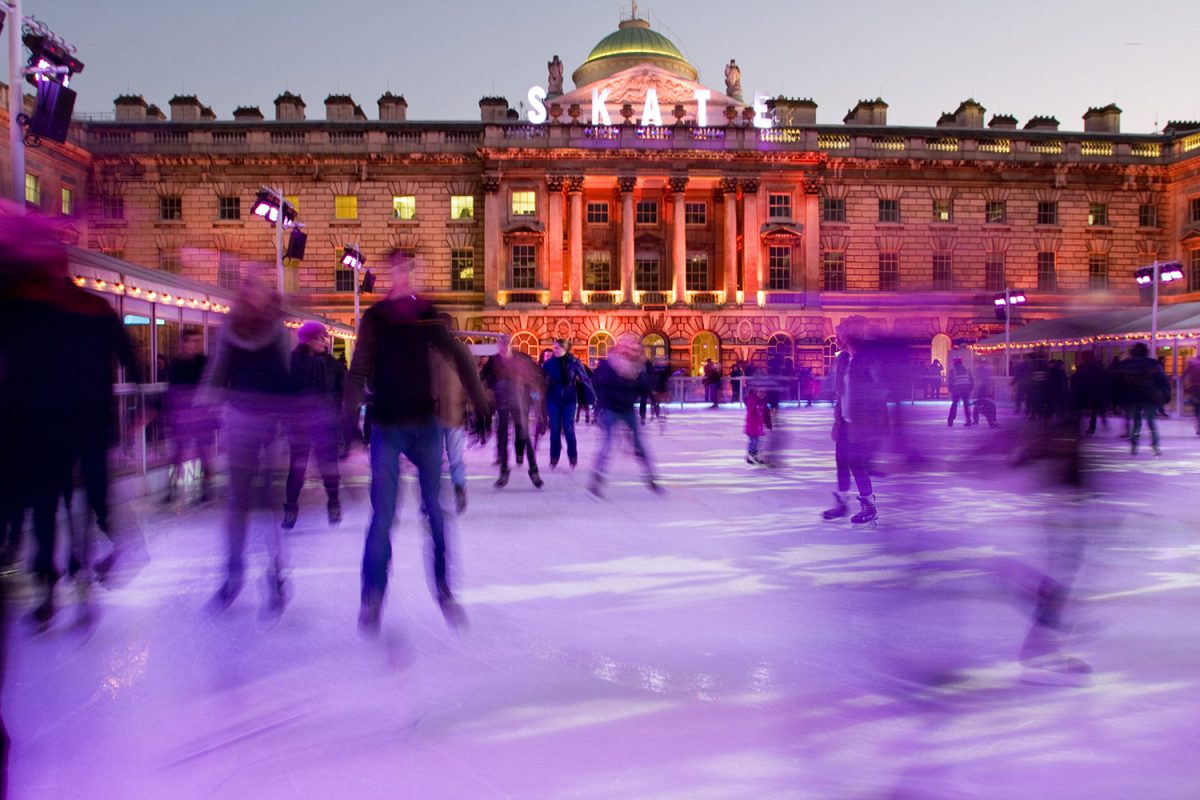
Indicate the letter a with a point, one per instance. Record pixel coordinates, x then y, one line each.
599 110
651 115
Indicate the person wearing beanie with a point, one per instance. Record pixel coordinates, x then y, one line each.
316 383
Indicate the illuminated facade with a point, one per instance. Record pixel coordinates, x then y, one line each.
706 234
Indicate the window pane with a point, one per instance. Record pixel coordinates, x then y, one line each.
33 189
169 260
1047 213
229 269
889 210
1147 216
833 271
1097 214
1097 272
597 213
695 213
646 212
597 272
343 280
462 206
524 204
941 210
345 206
112 207
889 272
404 207
779 206
68 201
1046 276
697 273
647 275
462 270
524 266
943 271
779 268
997 211
229 208
993 268
833 209
170 207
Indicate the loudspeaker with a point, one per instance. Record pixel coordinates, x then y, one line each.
368 283
297 239
51 116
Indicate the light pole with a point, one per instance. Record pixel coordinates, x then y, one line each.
1153 275
352 259
1004 302
16 136
271 205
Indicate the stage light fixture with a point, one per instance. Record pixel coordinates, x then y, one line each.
50 59
297 240
368 283
352 258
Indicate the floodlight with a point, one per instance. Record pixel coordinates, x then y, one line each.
50 59
368 283
267 205
352 258
297 240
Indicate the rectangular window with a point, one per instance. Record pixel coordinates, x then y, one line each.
993 272
404 206
779 268
889 272
1147 216
1047 212
33 190
696 276
597 270
1097 272
997 212
695 213
646 212
462 206
462 269
833 271
597 213
68 201
229 269
524 266
833 209
1097 214
293 200
524 203
943 210
112 207
1047 274
647 276
170 260
779 205
1193 276
170 207
889 210
943 272
345 206
229 208
343 279
1194 210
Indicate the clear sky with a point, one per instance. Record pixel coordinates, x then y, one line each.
1020 57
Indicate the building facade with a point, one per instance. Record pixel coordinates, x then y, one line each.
645 201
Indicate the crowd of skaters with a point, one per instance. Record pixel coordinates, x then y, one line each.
426 395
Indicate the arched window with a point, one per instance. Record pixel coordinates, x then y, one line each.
781 344
939 349
525 342
829 351
598 347
655 345
705 345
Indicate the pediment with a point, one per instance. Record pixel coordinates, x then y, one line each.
630 85
782 230
525 229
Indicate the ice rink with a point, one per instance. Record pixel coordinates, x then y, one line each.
720 641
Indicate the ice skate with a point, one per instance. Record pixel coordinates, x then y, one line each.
334 510
291 511
502 481
840 507
460 499
369 613
869 514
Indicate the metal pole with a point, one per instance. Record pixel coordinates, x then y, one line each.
279 243
1154 316
1007 328
356 306
16 136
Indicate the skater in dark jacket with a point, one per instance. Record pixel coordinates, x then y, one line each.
565 379
316 383
860 419
619 381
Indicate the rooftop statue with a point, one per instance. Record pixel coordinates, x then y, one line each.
554 82
733 79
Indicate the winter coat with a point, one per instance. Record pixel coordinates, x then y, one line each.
1144 381
758 418
860 396
620 383
564 374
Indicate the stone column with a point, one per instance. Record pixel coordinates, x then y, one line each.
493 241
554 237
575 234
626 186
812 242
679 240
729 197
752 269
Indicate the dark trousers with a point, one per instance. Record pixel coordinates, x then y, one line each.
521 441
955 399
53 482
853 459
651 399
562 424
1139 412
422 446
312 433
248 438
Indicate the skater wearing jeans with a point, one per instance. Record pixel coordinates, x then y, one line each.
619 381
859 419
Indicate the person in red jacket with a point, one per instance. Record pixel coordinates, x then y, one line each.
758 421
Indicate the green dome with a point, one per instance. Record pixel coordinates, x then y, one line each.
635 41
632 44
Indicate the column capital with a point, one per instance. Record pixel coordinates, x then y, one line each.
678 183
555 183
729 185
812 184
574 183
750 185
491 184
626 184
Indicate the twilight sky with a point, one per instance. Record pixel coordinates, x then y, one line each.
1020 57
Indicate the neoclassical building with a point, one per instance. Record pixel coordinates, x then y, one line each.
644 200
